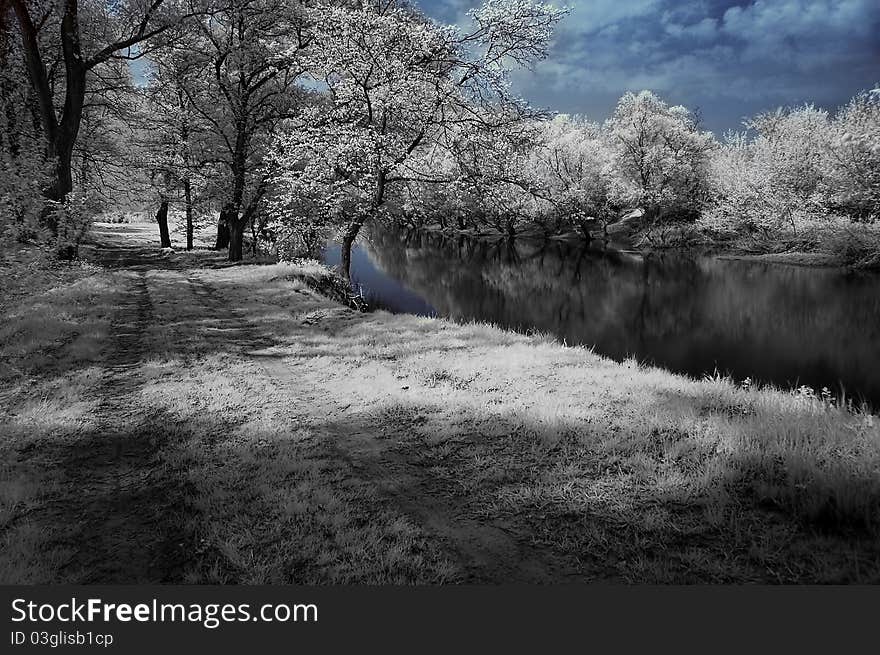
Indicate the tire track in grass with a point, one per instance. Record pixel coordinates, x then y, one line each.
487 552
123 512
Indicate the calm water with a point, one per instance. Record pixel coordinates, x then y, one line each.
782 324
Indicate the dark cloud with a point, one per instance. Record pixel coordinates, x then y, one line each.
729 59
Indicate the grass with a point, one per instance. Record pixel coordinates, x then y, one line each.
55 320
291 439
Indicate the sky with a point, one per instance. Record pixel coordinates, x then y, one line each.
729 59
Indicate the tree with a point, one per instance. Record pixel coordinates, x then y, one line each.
791 145
852 177
772 176
22 173
662 153
239 78
577 167
177 145
741 200
111 32
398 87
481 178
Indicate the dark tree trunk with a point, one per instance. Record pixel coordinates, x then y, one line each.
9 109
187 195
236 237
355 227
60 134
652 215
347 242
162 220
239 168
585 230
223 229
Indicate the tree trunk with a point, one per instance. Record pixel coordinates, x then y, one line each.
223 229
60 136
355 227
9 109
236 237
585 230
187 195
162 220
347 242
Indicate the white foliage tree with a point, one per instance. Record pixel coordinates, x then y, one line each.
662 153
577 166
774 179
242 62
87 39
853 175
398 88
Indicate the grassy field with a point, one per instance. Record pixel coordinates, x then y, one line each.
170 419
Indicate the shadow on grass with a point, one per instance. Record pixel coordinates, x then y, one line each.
105 507
663 508
401 494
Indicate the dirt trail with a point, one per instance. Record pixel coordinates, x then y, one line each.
121 513
488 552
131 520
127 511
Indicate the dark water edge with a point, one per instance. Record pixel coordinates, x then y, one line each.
785 325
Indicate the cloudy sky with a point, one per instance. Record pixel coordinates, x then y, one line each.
730 59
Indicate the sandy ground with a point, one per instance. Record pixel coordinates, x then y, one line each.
180 420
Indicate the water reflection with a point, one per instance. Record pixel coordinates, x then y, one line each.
781 324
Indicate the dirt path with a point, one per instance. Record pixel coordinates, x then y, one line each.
123 509
486 551
118 513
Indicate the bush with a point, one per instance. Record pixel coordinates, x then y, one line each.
856 244
72 220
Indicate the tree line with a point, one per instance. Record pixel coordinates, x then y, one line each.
294 121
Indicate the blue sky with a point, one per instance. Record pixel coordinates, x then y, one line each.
729 59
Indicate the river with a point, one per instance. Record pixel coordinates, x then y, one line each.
779 324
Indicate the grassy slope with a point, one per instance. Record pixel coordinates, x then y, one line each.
293 440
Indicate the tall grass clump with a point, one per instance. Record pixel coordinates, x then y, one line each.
800 453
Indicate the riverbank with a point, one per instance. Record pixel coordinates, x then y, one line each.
174 422
808 259
837 244
829 243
